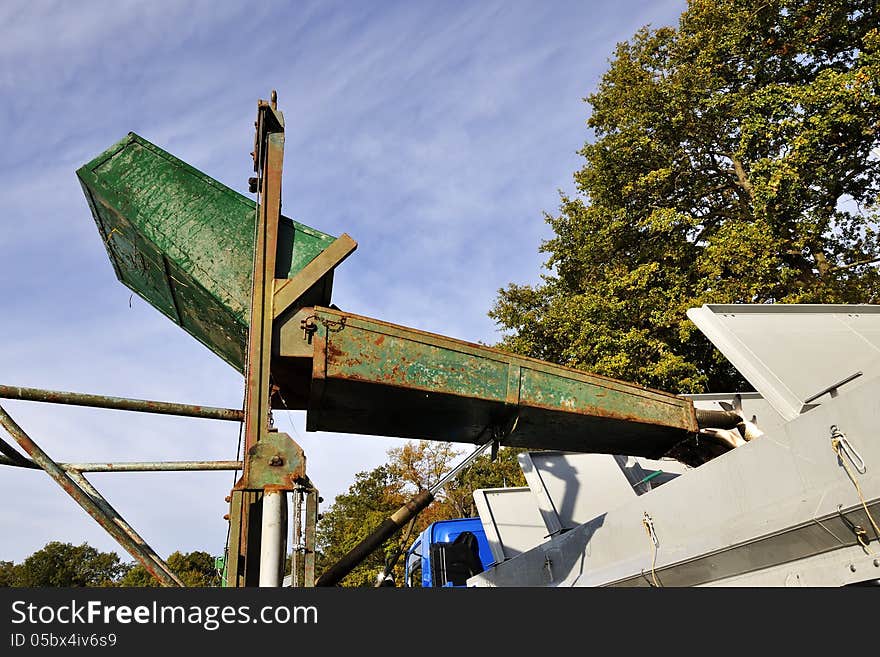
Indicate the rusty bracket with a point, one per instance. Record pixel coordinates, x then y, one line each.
276 462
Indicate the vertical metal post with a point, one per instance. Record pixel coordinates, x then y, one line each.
269 152
311 528
296 538
244 535
272 538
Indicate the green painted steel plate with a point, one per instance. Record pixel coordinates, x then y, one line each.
185 242
378 378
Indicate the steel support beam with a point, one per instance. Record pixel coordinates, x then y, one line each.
288 291
84 494
132 466
120 403
296 538
273 462
309 554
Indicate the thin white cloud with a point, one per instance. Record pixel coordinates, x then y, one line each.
435 134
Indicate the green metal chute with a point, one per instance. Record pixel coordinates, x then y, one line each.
185 243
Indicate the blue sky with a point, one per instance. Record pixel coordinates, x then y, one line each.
436 134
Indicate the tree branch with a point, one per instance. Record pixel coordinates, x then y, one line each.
854 264
742 177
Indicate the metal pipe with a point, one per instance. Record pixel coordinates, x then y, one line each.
102 502
311 524
391 525
120 403
136 548
717 419
135 466
14 457
465 462
296 538
271 538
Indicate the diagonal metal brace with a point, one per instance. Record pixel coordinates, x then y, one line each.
289 291
84 494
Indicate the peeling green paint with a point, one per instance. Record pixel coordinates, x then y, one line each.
184 242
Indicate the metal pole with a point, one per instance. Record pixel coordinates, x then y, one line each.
268 155
102 502
296 538
120 403
136 547
132 466
309 555
272 538
391 525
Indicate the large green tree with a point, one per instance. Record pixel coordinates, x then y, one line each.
733 160
65 564
193 568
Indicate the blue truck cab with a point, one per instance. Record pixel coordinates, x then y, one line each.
447 553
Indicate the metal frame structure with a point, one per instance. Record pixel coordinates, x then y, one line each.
272 465
268 318
72 480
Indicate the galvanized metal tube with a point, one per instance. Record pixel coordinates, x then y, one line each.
120 403
154 466
133 466
139 551
271 538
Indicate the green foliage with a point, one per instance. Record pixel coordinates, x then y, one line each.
378 493
7 574
503 472
193 569
731 163
373 496
64 564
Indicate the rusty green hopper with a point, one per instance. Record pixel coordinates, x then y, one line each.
184 242
398 381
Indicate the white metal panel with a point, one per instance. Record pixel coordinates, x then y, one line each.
776 500
510 519
645 474
791 352
571 489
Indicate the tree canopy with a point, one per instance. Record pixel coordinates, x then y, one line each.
733 160
64 564
193 568
378 493
67 565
